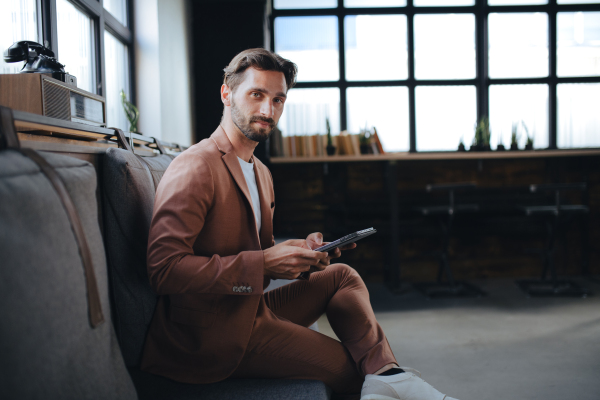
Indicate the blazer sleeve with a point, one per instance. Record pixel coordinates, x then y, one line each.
181 205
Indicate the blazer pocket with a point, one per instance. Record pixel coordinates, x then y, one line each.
186 316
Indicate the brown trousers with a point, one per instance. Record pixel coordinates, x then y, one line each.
282 345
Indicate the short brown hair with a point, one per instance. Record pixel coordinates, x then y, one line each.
260 59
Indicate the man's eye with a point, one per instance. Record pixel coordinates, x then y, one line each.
279 101
255 94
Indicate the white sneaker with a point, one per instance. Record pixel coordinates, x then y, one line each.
403 386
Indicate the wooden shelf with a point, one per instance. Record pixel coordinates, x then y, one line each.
455 155
34 127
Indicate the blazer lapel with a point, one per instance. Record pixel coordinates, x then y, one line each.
233 165
266 231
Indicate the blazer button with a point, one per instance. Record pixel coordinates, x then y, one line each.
249 289
235 289
244 289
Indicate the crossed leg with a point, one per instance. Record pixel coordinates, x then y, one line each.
282 345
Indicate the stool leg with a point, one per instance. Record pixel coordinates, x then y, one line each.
444 264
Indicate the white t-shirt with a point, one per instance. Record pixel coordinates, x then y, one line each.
248 170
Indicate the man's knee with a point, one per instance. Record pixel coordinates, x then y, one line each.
345 273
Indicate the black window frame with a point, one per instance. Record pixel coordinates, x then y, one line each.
482 81
103 20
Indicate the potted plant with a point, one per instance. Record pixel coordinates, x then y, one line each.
514 137
481 141
364 139
131 112
461 144
500 145
529 142
330 146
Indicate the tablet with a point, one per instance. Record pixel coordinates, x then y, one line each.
348 239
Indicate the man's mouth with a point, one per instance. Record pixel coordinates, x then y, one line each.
263 124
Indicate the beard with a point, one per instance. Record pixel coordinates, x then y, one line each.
244 124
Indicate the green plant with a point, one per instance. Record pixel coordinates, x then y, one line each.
482 132
328 126
529 141
364 137
131 112
514 135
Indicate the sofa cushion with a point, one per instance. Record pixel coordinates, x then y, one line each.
151 387
129 186
48 347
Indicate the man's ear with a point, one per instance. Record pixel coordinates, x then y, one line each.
226 95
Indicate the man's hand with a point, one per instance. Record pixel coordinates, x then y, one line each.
288 259
315 240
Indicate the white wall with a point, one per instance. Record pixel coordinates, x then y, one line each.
163 80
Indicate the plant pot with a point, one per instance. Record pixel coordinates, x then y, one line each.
461 147
486 147
330 150
528 147
476 147
514 146
365 149
500 147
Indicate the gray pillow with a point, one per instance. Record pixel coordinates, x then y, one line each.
48 348
129 188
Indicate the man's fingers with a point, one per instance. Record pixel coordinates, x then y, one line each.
348 246
335 253
296 243
309 254
316 237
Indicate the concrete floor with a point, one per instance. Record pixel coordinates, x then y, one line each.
503 346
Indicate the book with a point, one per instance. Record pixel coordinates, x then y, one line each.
377 141
355 143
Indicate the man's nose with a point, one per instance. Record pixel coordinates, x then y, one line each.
267 109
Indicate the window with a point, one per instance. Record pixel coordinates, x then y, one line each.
116 55
18 21
423 72
91 38
76 44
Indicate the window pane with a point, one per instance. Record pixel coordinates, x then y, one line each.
117 79
76 44
305 112
515 2
443 3
287 4
578 116
386 109
374 3
577 1
445 46
445 114
118 9
18 21
312 43
524 105
578 44
518 45
369 58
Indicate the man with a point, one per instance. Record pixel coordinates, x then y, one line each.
211 254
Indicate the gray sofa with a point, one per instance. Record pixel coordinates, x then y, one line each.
50 347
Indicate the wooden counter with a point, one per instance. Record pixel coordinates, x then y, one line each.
442 155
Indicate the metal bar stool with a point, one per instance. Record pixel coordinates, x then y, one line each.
553 215
446 214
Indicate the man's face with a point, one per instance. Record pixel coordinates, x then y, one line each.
257 103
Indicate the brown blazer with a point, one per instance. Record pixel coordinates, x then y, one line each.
205 260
